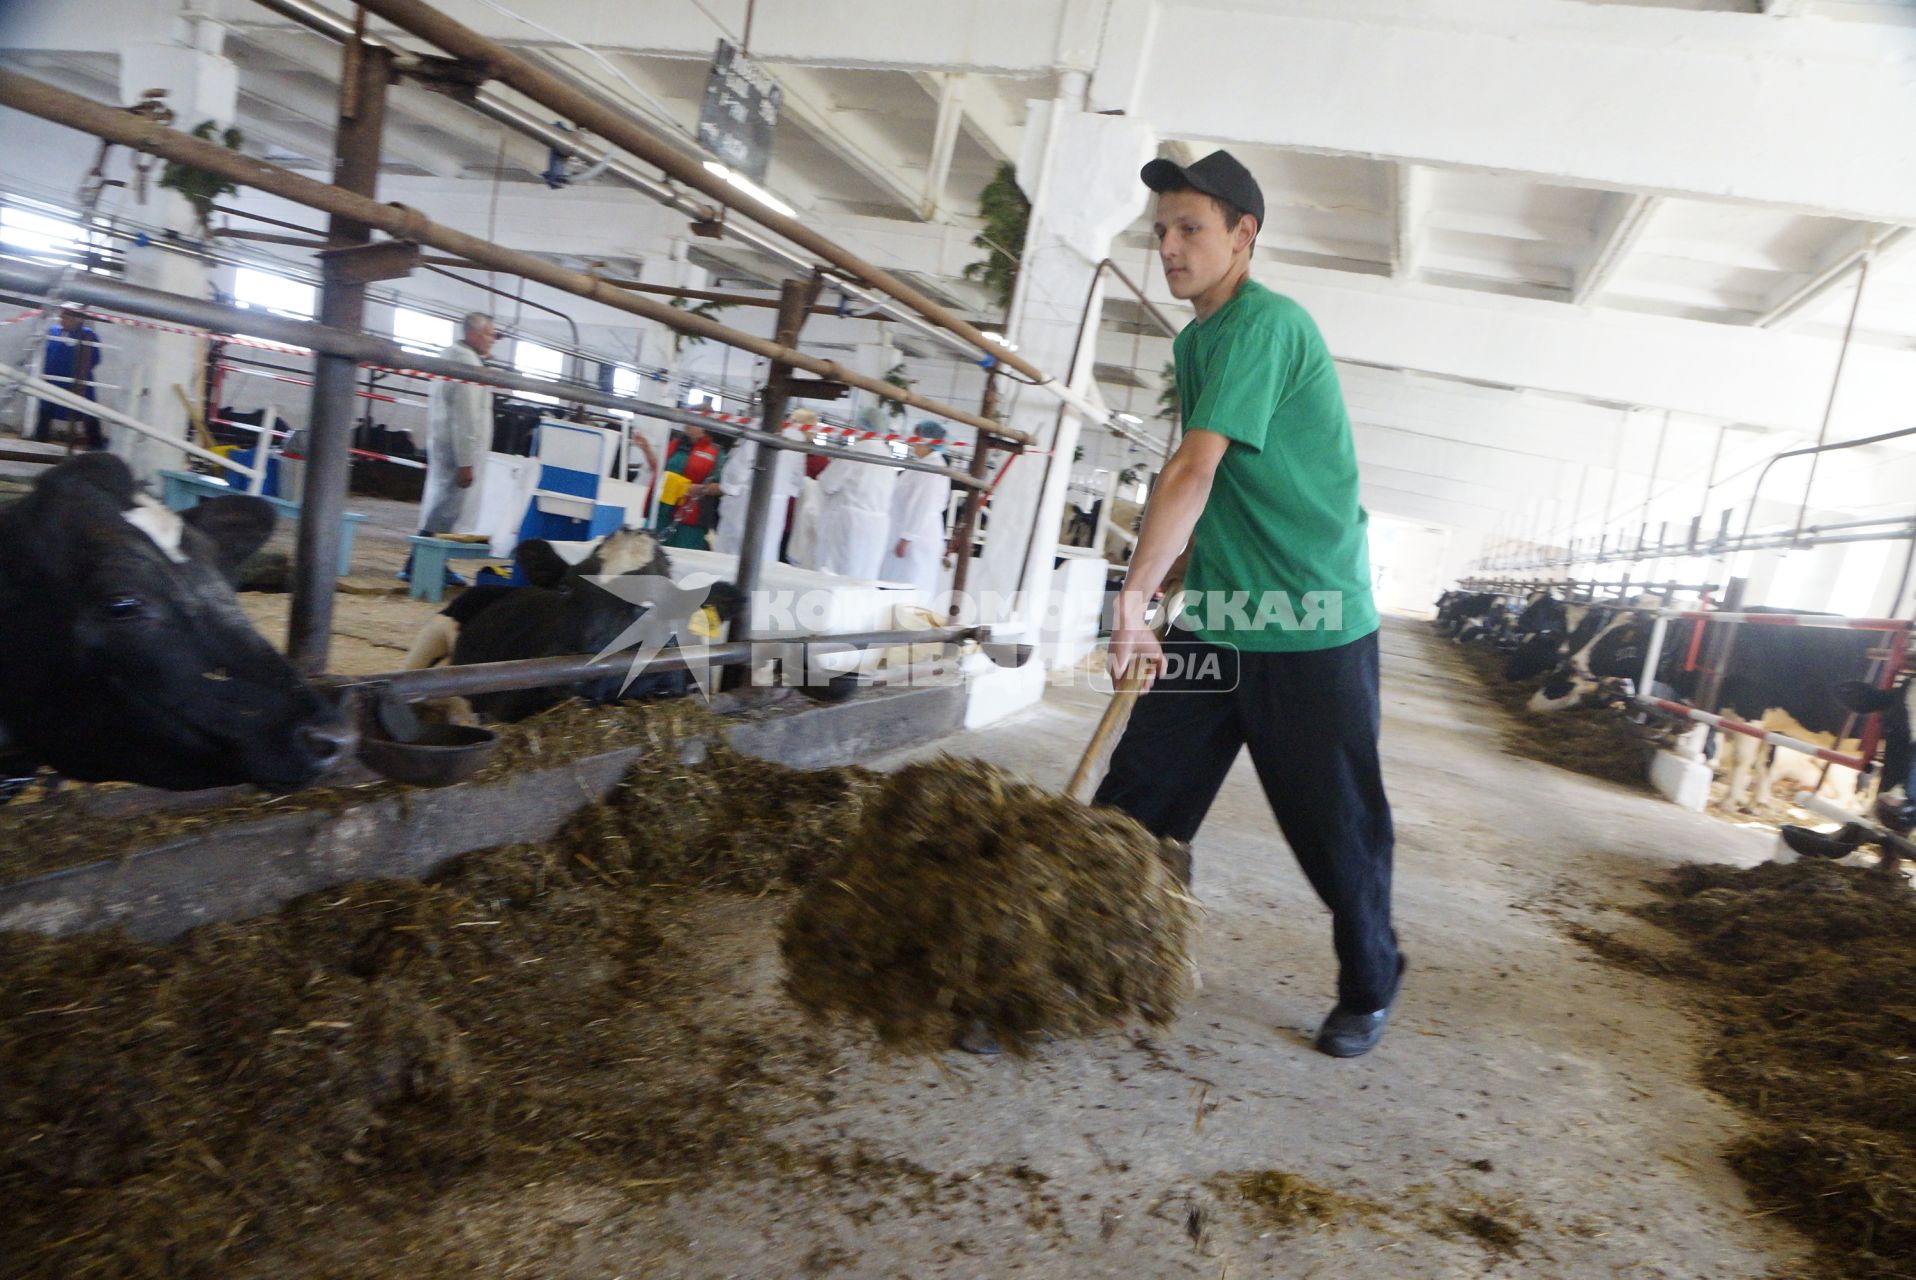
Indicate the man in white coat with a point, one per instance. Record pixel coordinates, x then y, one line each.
458 437
735 490
857 508
915 547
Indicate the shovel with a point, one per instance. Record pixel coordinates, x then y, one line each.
1117 712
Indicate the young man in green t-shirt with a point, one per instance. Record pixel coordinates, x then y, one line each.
1276 646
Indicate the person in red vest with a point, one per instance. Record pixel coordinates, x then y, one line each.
696 457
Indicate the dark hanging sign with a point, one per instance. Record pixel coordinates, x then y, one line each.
739 113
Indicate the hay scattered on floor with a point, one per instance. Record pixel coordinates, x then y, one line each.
1495 1234
1807 969
290 1085
1589 740
967 896
731 820
1273 1200
39 836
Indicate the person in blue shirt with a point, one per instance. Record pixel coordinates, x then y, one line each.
72 358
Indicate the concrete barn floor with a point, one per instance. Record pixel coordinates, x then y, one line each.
1522 1079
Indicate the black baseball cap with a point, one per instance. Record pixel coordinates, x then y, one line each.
1218 174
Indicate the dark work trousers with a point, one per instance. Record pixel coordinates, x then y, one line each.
1311 722
48 415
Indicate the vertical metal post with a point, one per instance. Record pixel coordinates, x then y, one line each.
1651 653
1576 510
974 500
1718 647
1716 456
1656 465
342 304
1829 406
794 303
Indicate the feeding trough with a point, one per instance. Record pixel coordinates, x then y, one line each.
399 747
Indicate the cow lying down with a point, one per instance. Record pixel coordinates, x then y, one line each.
124 655
559 613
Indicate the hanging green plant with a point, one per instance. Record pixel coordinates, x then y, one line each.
709 309
199 187
898 377
1168 407
1007 215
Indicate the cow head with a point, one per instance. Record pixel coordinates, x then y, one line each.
1896 800
1534 655
123 652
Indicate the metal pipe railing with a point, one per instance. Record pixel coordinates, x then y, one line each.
40 389
555 92
216 317
539 673
325 23
36 98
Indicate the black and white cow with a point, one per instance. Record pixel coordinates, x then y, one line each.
1548 631
1606 646
1458 609
561 613
1781 678
1787 680
124 655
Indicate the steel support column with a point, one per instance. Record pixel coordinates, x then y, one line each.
342 305
795 299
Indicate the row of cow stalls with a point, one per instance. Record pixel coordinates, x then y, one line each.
342 352
1712 703
1768 690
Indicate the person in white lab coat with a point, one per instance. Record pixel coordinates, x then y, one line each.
458 437
915 547
735 490
856 512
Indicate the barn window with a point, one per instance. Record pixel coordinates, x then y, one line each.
417 331
536 361
1859 580
265 291
38 233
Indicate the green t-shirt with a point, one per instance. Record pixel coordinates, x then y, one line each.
1282 563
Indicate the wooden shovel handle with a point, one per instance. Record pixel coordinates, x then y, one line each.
1116 712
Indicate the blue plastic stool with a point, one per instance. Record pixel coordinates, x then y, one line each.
429 557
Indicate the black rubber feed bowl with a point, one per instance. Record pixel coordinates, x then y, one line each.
442 755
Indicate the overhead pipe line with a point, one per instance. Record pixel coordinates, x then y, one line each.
607 122
217 317
323 22
37 98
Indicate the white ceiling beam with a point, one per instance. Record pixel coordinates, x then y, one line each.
260 94
1766 378
808 104
1530 87
1001 37
1428 511
944 142
986 118
1797 300
408 109
1620 224
1409 200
